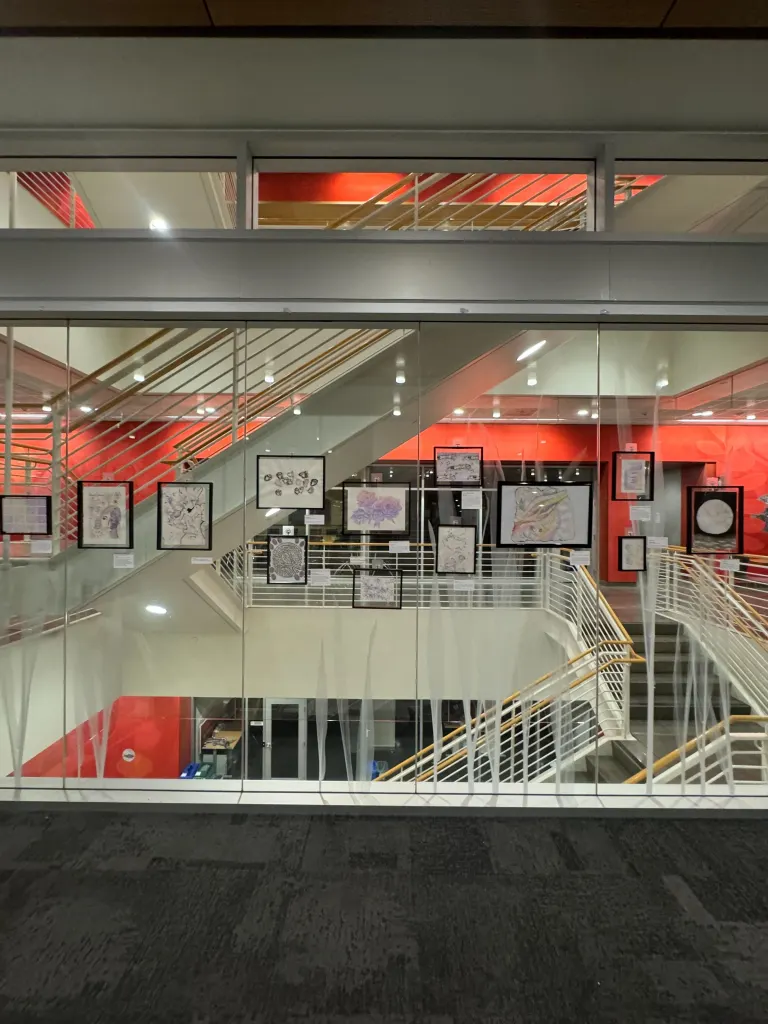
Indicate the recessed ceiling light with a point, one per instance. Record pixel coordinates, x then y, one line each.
662 382
210 409
533 380
297 410
156 609
317 438
458 412
400 378
497 414
594 415
85 408
200 411
159 224
706 412
330 451
267 450
751 416
269 378
529 351
139 378
396 411
583 412
47 408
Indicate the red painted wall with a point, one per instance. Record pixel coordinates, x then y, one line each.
157 729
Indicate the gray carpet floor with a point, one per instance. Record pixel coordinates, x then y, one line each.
136 918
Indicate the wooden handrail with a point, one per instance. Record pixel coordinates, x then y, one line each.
126 356
677 755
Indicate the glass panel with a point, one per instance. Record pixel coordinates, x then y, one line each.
543 199
94 197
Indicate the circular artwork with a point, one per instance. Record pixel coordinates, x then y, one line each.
714 516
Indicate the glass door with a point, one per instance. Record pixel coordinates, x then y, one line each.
285 738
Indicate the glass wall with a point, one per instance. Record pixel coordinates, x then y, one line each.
443 558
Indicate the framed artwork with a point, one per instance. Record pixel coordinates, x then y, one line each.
458 467
287 560
376 508
633 554
456 550
104 514
715 520
28 514
377 588
539 515
290 481
185 517
633 476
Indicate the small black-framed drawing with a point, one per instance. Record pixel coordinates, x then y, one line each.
456 550
30 515
633 474
377 588
376 508
287 559
185 516
544 515
290 481
633 554
715 520
458 467
105 514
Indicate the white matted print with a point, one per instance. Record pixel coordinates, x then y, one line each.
456 549
458 467
290 481
632 554
185 517
104 514
377 588
376 508
287 560
27 514
544 515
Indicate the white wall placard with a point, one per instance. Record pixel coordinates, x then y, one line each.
630 446
579 557
399 547
201 560
358 560
314 519
319 577
463 584
41 547
658 542
122 561
471 500
730 564
288 531
640 513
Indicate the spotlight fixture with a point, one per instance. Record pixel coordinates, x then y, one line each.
751 416
269 378
662 382
396 411
156 609
594 416
210 409
297 410
47 408
159 224
200 411
497 414
86 408
533 380
400 377
529 351
139 378
458 412
583 412
706 412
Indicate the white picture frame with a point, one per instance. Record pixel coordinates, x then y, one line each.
456 550
105 514
633 554
458 466
376 508
544 515
290 481
287 559
185 516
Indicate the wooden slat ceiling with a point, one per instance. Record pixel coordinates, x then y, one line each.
641 16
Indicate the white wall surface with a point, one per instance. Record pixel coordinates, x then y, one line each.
87 348
29 212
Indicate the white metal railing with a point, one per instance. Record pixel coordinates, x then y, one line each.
732 752
732 633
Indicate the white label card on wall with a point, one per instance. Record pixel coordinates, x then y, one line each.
580 557
41 547
287 531
319 577
314 519
658 542
640 513
463 584
399 547
122 561
201 560
358 560
730 564
471 500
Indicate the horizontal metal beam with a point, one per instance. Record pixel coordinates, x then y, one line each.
279 275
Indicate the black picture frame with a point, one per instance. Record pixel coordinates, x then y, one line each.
353 531
455 572
81 486
183 547
296 541
647 494
724 492
576 545
48 532
304 504
625 542
397 574
456 485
